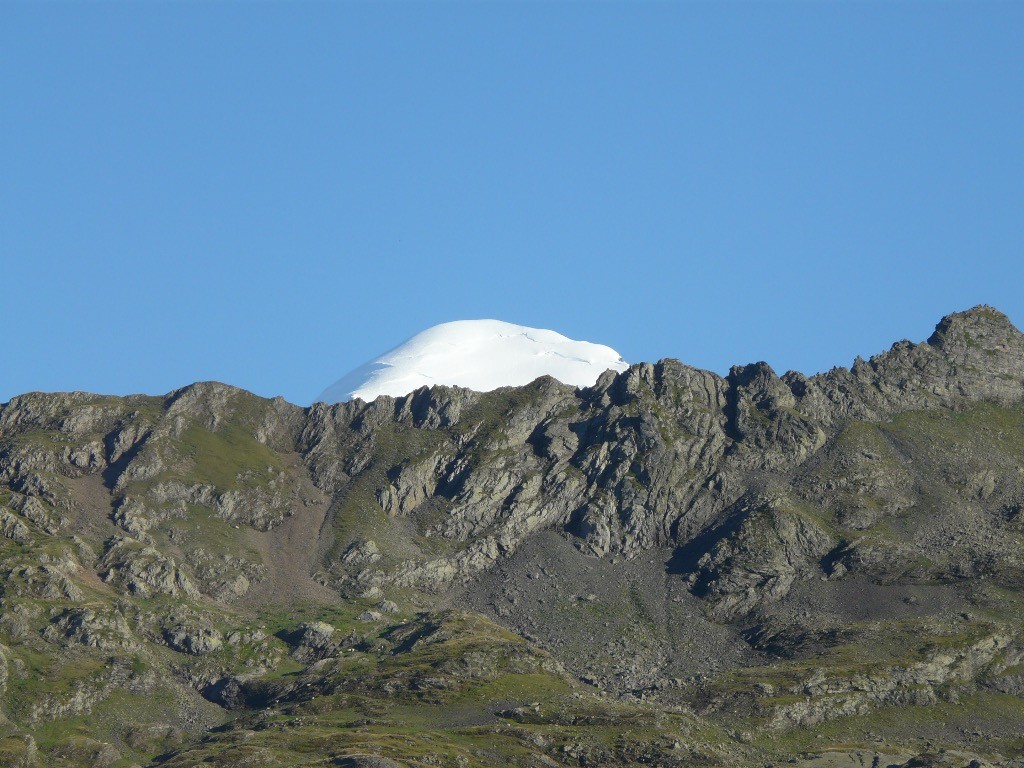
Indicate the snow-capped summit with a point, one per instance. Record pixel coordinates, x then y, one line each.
476 354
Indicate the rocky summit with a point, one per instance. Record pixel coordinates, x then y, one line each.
668 568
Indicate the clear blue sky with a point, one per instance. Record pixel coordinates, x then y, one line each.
269 194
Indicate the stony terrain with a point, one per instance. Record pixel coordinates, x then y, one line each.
669 568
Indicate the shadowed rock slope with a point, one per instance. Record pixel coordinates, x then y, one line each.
668 568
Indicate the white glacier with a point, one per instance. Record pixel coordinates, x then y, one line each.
476 354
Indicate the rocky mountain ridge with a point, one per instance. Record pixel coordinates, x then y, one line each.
777 553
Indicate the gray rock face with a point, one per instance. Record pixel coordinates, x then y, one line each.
774 543
314 641
194 640
83 625
652 457
145 570
647 458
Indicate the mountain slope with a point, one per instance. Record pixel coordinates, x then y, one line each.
670 568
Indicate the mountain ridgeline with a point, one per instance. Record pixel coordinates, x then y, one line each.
669 568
